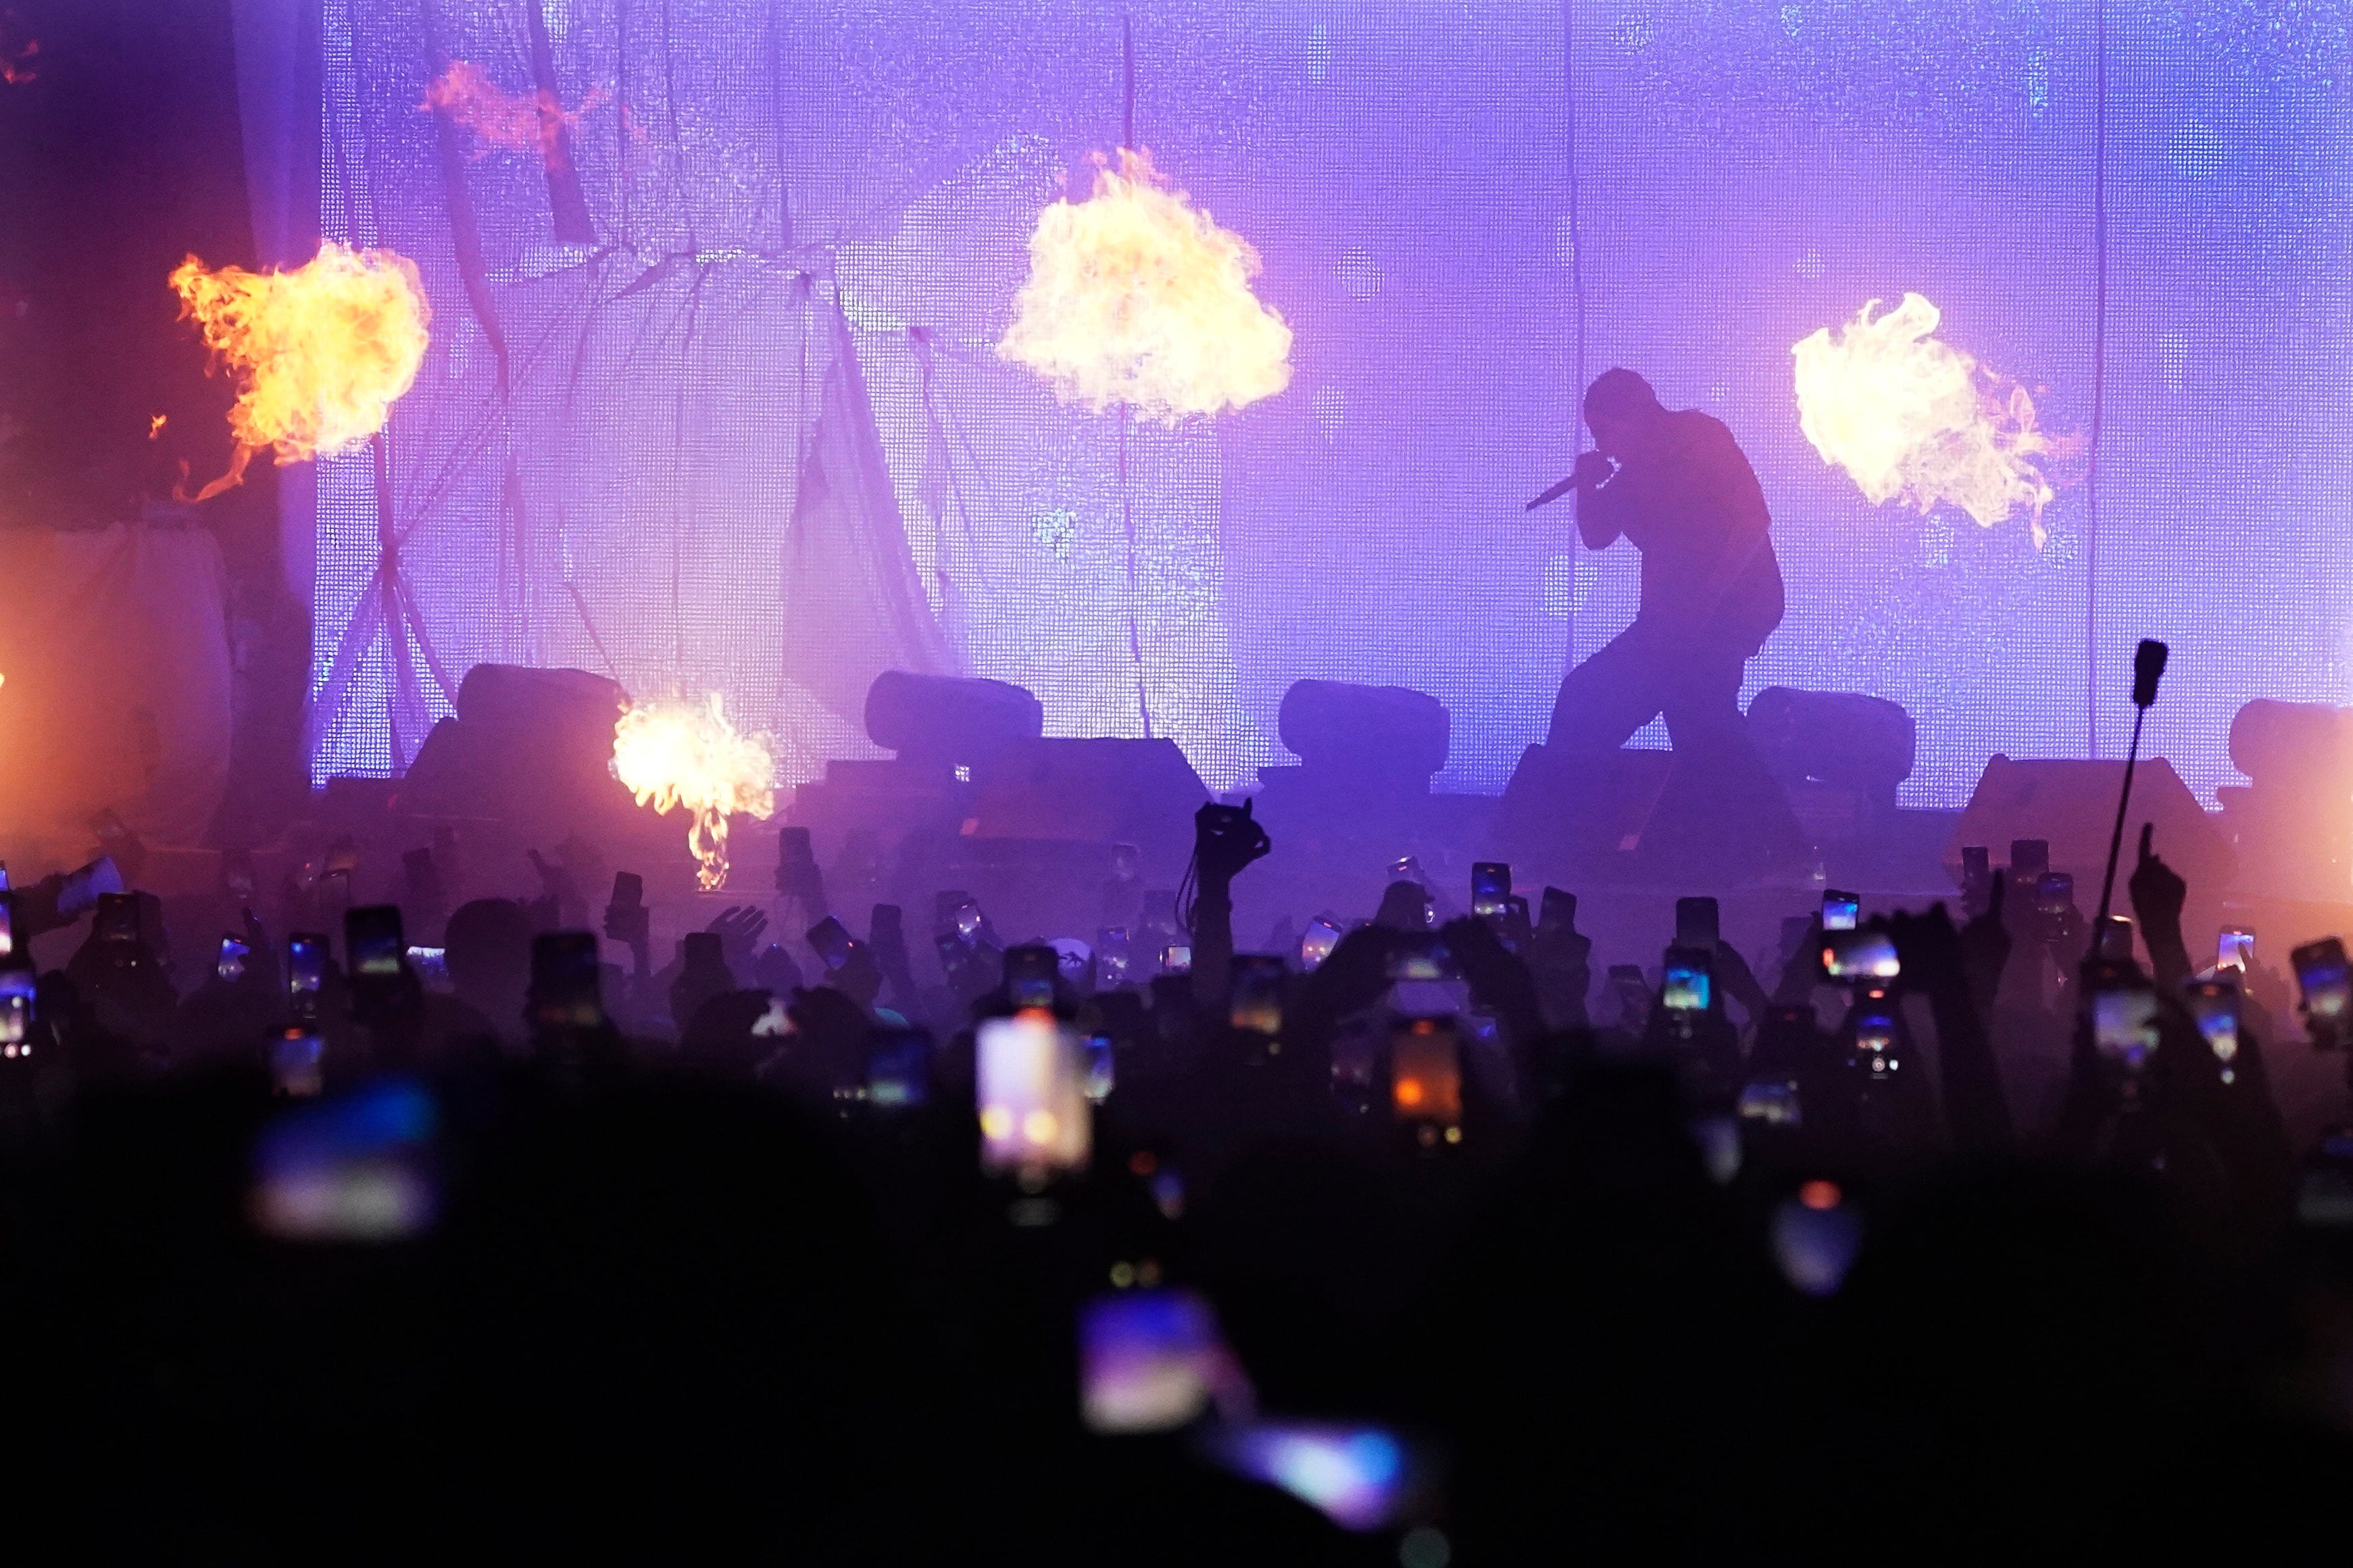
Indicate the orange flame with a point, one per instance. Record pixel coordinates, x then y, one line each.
1137 298
322 353
155 423
688 754
502 121
1913 419
16 58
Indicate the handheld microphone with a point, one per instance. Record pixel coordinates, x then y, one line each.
2148 665
1553 494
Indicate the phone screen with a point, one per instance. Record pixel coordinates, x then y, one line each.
1029 974
306 963
2123 1020
566 982
354 1168
1491 889
1177 958
86 885
2215 1005
1362 1477
2114 940
372 936
7 926
1697 924
1874 1033
16 1013
1773 1102
1419 957
2054 891
1559 910
1840 910
1426 1071
899 1069
1031 1086
295 1067
831 941
1688 982
432 966
2234 947
1861 954
1976 861
228 965
1150 1361
117 922
1113 955
1323 936
2320 972
1258 983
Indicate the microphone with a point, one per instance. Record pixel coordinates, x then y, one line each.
1553 494
2149 665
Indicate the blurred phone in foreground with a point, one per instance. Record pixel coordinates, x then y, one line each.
306 970
2113 941
432 966
1257 997
228 962
1114 958
85 887
17 1002
1875 1035
2054 892
1176 958
1421 956
566 981
1030 1079
355 1168
1840 910
371 935
1153 1360
295 1066
1359 1475
1426 1071
1491 889
1859 954
2234 947
2320 975
117 925
899 1069
7 925
2124 1018
1689 984
2215 1005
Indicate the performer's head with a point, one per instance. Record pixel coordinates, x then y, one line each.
1622 410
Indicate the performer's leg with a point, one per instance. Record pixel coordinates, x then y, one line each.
1701 700
1620 688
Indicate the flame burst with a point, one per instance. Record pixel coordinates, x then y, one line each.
321 352
501 120
1137 298
1912 418
688 754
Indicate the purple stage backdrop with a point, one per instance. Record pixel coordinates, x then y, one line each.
711 401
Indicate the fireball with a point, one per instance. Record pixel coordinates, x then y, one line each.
1136 297
1912 420
321 354
502 120
688 754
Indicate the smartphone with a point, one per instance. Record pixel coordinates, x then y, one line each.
1874 1033
372 936
2234 947
354 1167
899 1068
1031 1087
117 923
1419 956
1257 999
1491 889
1177 958
431 965
1407 869
2214 1003
1633 994
1861 954
1689 984
1102 1072
2113 943
628 890
295 1066
16 989
1697 924
566 981
1030 976
2054 892
7 925
2320 975
1773 1102
1150 1361
85 887
2124 1018
1841 912
2029 857
832 942
1159 910
1559 910
236 875
1976 866
1114 956
229 963
306 969
344 856
1425 1070
1362 1477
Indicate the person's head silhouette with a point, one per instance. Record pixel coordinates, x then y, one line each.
1622 411
488 952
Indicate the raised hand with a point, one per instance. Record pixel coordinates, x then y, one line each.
738 929
1226 839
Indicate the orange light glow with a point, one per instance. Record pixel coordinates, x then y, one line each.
16 58
503 121
1821 1194
1912 420
1137 298
688 754
155 423
321 354
1408 1091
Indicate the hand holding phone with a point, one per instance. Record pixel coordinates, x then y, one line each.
1840 910
1491 889
1697 923
2321 974
627 921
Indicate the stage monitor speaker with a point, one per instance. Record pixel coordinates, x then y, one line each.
1648 817
530 747
1091 792
944 721
1843 739
2073 805
1388 737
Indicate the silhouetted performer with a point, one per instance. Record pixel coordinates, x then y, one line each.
1675 483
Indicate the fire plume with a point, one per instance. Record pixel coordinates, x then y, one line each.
688 754
1913 419
501 120
1136 297
16 57
321 354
